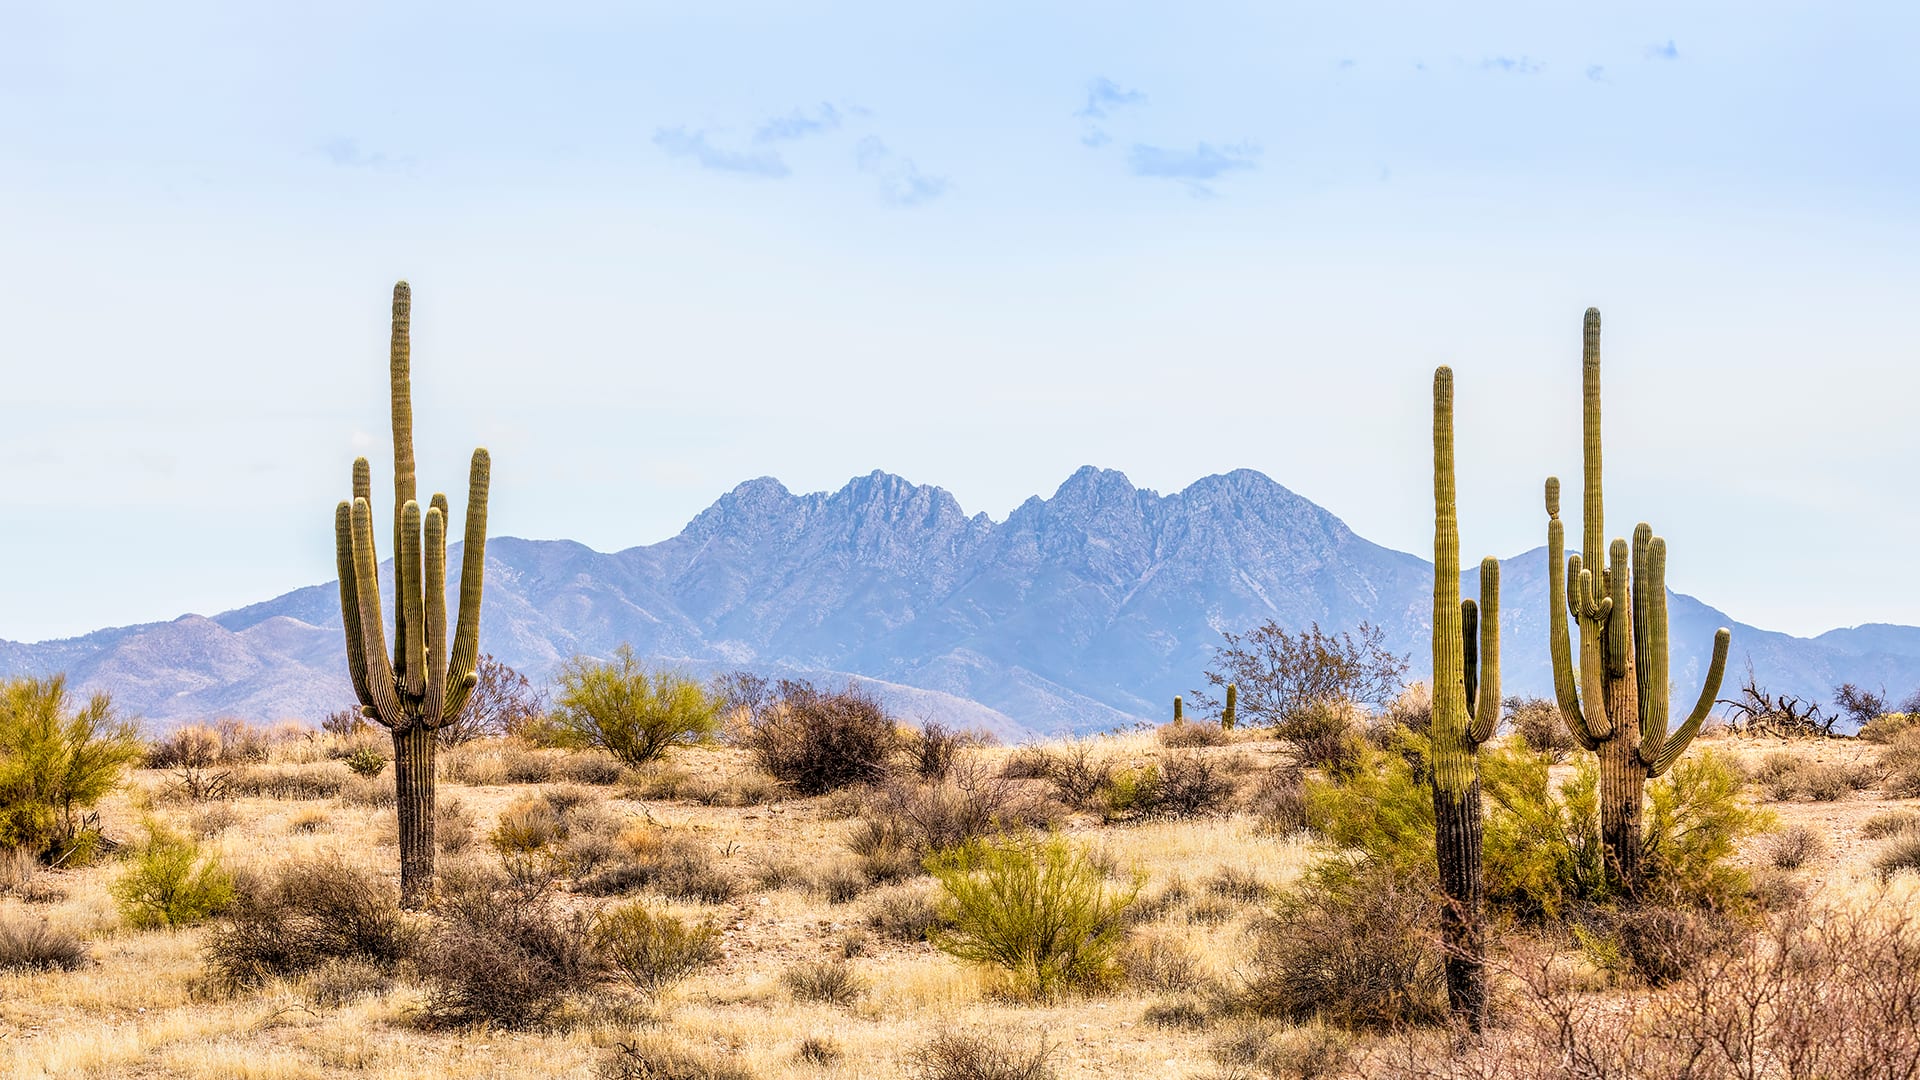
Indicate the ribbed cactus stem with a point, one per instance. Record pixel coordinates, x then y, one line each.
1179 710
1231 714
1466 706
1620 703
428 679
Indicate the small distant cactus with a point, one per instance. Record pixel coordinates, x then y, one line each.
1229 715
1466 708
1617 700
426 683
1179 710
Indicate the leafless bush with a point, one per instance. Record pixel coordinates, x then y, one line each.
292 783
1538 722
1756 711
903 913
502 702
1079 774
936 747
34 945
302 915
961 1055
1182 735
1890 823
970 802
826 982
1794 847
1189 784
501 958
663 1057
1279 799
814 741
679 867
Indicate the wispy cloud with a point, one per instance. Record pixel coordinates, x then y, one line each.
1105 95
799 124
901 181
679 142
1664 52
348 154
1191 167
1511 65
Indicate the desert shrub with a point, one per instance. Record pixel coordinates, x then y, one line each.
935 747
653 950
1826 782
903 913
1179 1014
1181 735
596 769
969 802
663 1057
212 820
1900 855
365 762
1323 735
1279 800
678 867
1883 728
1381 807
1039 908
883 852
1189 784
502 702
1794 847
1306 1052
192 755
965 1055
452 826
1658 942
502 958
302 915
170 883
341 982
20 876
1160 963
1079 774
818 1050
629 711
841 883
816 742
523 766
1028 762
56 762
824 982
526 826
1280 674
1538 722
1890 823
1901 763
373 793
1353 944
34 945
286 783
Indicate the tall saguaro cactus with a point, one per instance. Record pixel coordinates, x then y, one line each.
1466 707
1617 701
425 684
1230 715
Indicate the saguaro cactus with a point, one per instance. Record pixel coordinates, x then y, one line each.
1466 707
1179 710
1618 700
1230 715
424 686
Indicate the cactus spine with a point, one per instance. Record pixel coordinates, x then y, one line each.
1179 710
1617 701
1466 707
1229 716
423 686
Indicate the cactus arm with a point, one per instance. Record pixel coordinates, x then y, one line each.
1469 652
1593 523
1486 714
1453 657
1559 605
1642 596
410 631
350 600
400 356
1716 670
384 702
434 585
1231 716
1620 628
473 572
1650 596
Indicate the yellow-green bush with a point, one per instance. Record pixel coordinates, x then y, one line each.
1039 908
171 883
55 762
652 950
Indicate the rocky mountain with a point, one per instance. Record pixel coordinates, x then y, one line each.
1084 611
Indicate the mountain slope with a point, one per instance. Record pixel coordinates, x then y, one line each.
1086 610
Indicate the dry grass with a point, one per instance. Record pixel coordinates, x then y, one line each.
141 1005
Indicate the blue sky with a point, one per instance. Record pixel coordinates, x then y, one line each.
656 252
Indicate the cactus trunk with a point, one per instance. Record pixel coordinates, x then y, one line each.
413 787
1179 710
426 682
1228 715
1466 706
1617 700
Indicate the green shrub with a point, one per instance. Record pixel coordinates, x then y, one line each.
1041 909
653 950
365 761
55 762
171 883
1382 806
1883 728
629 711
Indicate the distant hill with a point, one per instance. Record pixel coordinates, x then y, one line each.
1084 611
